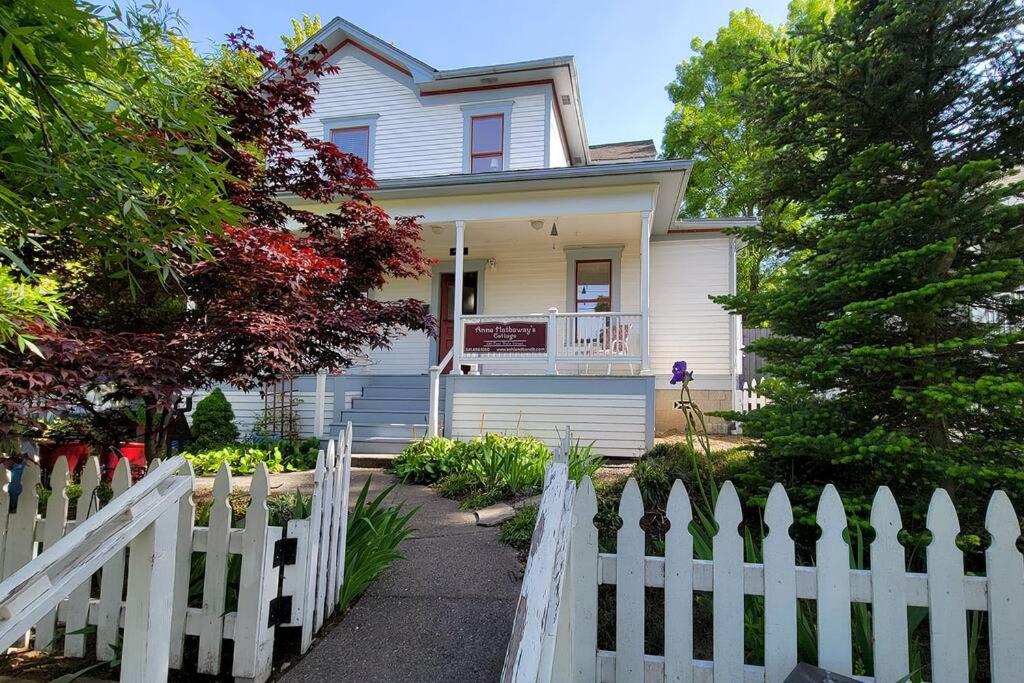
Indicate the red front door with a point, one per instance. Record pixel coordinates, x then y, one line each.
446 319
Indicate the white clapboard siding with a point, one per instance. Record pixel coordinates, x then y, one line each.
166 551
418 136
616 424
828 580
684 322
248 407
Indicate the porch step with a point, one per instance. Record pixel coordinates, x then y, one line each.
397 430
383 416
393 404
381 444
398 380
395 391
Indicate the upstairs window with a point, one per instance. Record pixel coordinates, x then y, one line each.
487 143
354 140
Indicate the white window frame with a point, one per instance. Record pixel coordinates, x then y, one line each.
368 121
469 111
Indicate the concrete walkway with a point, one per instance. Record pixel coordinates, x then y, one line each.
442 614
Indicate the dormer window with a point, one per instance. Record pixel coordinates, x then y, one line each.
353 135
353 141
487 143
487 137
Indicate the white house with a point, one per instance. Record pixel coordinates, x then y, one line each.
565 287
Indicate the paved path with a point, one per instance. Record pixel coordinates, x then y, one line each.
442 614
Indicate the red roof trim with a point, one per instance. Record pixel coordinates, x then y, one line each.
349 41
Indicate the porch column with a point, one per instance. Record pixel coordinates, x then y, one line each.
460 241
645 292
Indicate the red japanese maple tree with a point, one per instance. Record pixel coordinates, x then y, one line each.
285 292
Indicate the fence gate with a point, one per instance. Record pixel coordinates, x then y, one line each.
225 582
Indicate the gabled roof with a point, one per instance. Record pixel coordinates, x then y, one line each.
557 72
614 152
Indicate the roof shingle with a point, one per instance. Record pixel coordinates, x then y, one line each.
634 150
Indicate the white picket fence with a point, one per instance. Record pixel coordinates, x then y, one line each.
750 399
288 577
555 631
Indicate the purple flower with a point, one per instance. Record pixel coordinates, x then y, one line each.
678 371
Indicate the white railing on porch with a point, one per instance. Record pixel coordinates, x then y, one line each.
299 587
555 631
611 338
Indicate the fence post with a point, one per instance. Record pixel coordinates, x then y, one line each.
552 340
53 529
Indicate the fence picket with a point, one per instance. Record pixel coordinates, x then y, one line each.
835 649
583 564
144 657
108 616
1005 570
346 479
5 509
678 587
888 590
629 587
333 571
53 529
253 654
211 630
947 613
311 554
21 525
727 599
326 514
780 636
78 603
182 573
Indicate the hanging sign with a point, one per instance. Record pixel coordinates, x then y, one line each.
510 337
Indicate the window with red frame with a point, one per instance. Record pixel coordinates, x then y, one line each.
353 141
486 143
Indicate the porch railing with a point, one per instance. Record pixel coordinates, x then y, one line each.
613 338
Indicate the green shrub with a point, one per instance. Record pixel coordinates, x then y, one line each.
430 460
213 423
240 459
518 531
458 485
374 532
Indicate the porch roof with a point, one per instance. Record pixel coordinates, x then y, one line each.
666 177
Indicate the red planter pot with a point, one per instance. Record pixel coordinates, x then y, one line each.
133 451
76 453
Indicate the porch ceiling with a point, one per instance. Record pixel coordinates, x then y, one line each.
487 238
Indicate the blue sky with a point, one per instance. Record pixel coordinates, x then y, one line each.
626 52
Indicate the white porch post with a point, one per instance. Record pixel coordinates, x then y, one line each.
645 292
460 241
320 403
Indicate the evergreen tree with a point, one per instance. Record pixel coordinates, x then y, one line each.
898 352
213 422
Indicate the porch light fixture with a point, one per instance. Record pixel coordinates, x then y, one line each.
536 224
554 229
438 229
